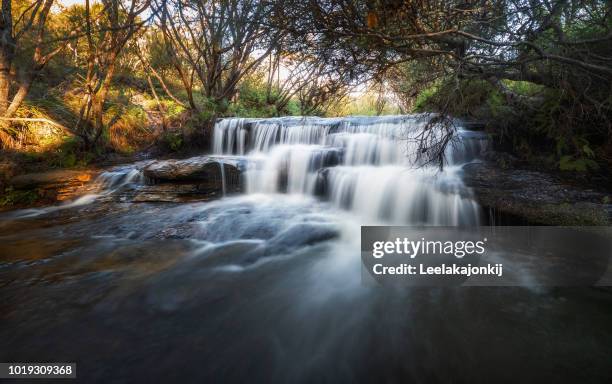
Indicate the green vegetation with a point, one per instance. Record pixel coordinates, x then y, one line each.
533 123
13 197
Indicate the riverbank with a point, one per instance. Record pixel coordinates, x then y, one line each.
524 196
27 183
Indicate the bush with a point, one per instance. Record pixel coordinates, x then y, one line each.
542 127
130 130
11 197
172 141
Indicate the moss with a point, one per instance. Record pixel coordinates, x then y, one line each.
66 155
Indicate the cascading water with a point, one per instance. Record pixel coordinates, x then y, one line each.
363 164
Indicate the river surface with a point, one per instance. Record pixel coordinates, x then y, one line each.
265 286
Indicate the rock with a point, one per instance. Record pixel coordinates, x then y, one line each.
61 176
203 172
322 183
8 169
300 235
474 125
523 196
176 181
193 169
248 251
57 185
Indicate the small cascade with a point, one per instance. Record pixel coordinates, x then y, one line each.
368 165
121 176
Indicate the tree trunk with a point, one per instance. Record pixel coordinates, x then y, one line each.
6 141
7 52
20 96
5 81
100 99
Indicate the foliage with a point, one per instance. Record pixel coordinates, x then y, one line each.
172 141
130 131
540 70
368 103
12 197
542 133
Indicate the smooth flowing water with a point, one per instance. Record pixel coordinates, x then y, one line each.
367 166
265 286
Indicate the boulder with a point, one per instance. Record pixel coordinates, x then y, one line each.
207 173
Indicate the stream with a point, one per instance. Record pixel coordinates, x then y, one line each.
265 285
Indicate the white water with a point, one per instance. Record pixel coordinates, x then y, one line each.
367 165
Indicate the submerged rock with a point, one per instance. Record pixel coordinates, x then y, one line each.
300 235
519 196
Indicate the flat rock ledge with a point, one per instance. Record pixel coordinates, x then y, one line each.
524 196
194 179
53 186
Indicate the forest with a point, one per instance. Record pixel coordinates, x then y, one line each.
84 82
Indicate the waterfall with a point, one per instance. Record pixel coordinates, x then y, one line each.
368 165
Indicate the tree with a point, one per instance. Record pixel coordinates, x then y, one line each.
24 52
108 28
215 44
563 45
301 75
